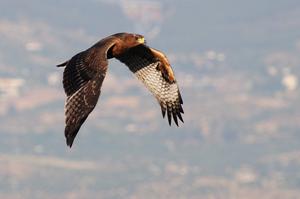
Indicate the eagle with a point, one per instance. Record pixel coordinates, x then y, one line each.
84 73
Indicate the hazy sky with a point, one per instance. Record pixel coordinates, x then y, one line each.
236 62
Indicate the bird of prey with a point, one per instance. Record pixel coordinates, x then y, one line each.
84 73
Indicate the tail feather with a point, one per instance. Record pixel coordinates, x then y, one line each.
63 64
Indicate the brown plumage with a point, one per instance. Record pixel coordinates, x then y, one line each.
85 72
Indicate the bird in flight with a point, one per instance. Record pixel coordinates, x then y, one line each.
84 73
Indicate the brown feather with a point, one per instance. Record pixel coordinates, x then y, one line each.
164 65
85 72
82 81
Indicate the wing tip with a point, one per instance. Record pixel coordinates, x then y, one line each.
169 113
173 113
175 118
163 110
180 117
180 98
70 134
69 139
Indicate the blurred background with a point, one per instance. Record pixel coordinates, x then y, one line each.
237 65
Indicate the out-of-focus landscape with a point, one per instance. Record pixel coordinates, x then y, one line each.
237 65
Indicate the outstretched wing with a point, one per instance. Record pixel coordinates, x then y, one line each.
79 105
82 81
155 72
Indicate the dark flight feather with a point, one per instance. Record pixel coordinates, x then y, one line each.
79 105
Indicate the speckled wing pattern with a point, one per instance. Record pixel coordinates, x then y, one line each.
82 83
77 73
145 66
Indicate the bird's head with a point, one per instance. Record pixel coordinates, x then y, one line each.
130 39
123 42
139 39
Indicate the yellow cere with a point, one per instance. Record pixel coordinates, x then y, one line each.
141 40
